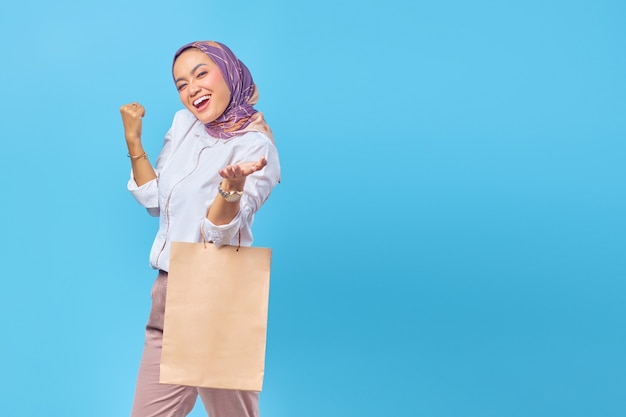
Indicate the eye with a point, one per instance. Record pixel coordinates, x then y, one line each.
180 87
202 74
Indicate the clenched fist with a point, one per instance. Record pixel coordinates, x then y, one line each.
131 117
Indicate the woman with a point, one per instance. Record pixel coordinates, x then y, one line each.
218 165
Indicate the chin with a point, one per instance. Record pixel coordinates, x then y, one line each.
204 119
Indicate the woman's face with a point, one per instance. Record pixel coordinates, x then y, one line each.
200 84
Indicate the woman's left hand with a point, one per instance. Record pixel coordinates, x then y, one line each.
236 174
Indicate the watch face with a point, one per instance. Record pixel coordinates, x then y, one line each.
230 196
233 198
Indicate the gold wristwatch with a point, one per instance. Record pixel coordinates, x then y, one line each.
230 196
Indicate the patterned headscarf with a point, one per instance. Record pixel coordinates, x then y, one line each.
240 115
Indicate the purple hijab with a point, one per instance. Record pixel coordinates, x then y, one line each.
238 114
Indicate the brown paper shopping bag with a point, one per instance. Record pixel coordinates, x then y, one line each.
216 310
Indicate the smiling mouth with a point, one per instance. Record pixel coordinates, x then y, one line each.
201 101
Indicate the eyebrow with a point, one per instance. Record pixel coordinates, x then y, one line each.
192 71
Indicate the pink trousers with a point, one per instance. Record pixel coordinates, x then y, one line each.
153 399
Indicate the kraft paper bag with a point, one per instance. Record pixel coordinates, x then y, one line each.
216 310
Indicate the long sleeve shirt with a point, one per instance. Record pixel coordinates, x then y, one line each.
187 180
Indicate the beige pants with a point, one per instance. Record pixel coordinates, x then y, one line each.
153 399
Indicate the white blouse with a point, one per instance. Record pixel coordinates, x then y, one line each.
187 180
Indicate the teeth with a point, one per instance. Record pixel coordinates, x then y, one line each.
200 100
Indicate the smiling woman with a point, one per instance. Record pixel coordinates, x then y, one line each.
201 86
217 167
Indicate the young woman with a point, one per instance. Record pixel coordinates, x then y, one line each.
218 165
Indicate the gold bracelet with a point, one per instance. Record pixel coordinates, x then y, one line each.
143 155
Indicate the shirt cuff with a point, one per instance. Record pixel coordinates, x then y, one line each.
225 234
147 194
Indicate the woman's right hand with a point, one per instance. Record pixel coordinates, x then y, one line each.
131 117
132 114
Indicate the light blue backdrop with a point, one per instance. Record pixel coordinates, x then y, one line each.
448 236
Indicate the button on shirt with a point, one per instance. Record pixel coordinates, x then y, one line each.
187 180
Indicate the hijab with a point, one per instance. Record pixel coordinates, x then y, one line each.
240 115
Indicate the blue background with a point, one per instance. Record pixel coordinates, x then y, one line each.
448 236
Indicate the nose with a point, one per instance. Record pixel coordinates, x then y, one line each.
193 89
